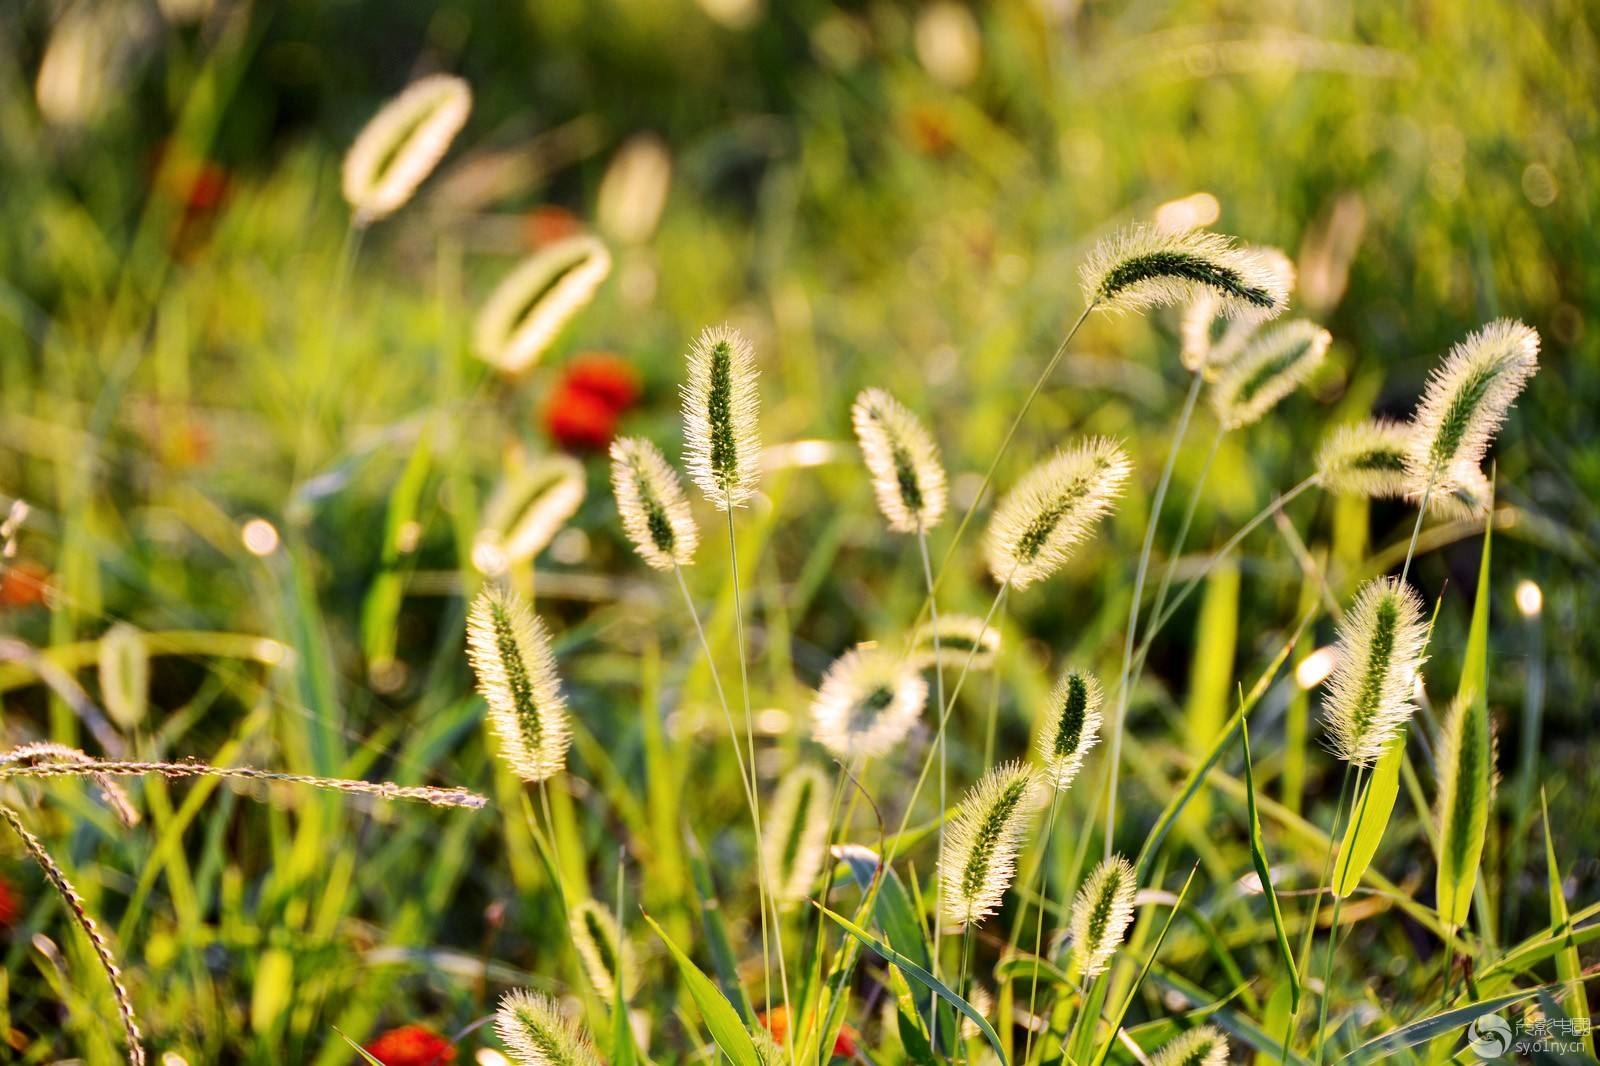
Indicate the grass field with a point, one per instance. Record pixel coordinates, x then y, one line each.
264 442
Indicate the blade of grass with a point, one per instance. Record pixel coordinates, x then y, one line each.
1258 857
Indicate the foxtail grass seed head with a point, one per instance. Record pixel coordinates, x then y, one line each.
536 1033
979 857
1275 363
510 652
124 674
1466 768
606 955
867 703
959 636
1466 401
1365 459
796 838
1209 342
1380 652
655 513
722 443
1101 915
1143 267
531 306
1201 1046
907 477
402 144
525 512
1072 727
1052 510
1466 495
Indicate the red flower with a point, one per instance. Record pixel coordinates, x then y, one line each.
777 1023
10 904
412 1045
607 375
548 223
580 420
23 584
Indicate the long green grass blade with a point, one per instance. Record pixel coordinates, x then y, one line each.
1374 808
1569 967
1149 960
1381 1048
1258 857
720 1017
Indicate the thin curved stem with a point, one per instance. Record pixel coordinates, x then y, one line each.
1309 936
1133 607
1176 551
938 681
1333 938
1038 929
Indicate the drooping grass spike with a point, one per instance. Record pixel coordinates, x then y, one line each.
1053 509
1278 361
655 513
979 858
531 306
907 476
510 652
606 954
402 143
1141 267
796 836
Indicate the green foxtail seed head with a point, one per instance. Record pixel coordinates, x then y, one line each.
1210 341
510 652
979 857
722 445
1071 727
536 1033
125 674
1466 400
907 477
528 309
1274 364
1467 758
1379 654
1142 267
1466 495
960 635
1365 459
655 513
1053 508
1201 1046
607 956
402 144
1101 915
867 703
796 837
526 511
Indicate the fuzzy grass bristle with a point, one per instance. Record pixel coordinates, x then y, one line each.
1466 494
1204 1045
531 306
536 1033
721 405
1071 728
796 838
606 954
867 703
399 147
1209 342
1367 458
527 509
979 857
1466 401
1141 267
1101 915
655 512
510 652
907 476
1052 510
1275 363
1466 769
960 637
1379 653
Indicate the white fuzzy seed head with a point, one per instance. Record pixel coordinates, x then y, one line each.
1143 267
1071 728
527 509
1052 510
1101 915
509 649
1210 341
531 306
867 703
796 837
1275 363
1466 495
959 636
722 443
536 1033
1201 1046
606 955
907 477
1380 651
1466 401
402 143
1365 459
655 513
981 844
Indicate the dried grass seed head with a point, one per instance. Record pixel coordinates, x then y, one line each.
907 476
1141 267
721 406
399 147
606 954
655 512
1209 341
509 649
527 509
959 636
1380 652
981 844
867 703
1052 510
1275 363
796 838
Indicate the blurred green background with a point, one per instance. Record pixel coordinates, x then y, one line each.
877 193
